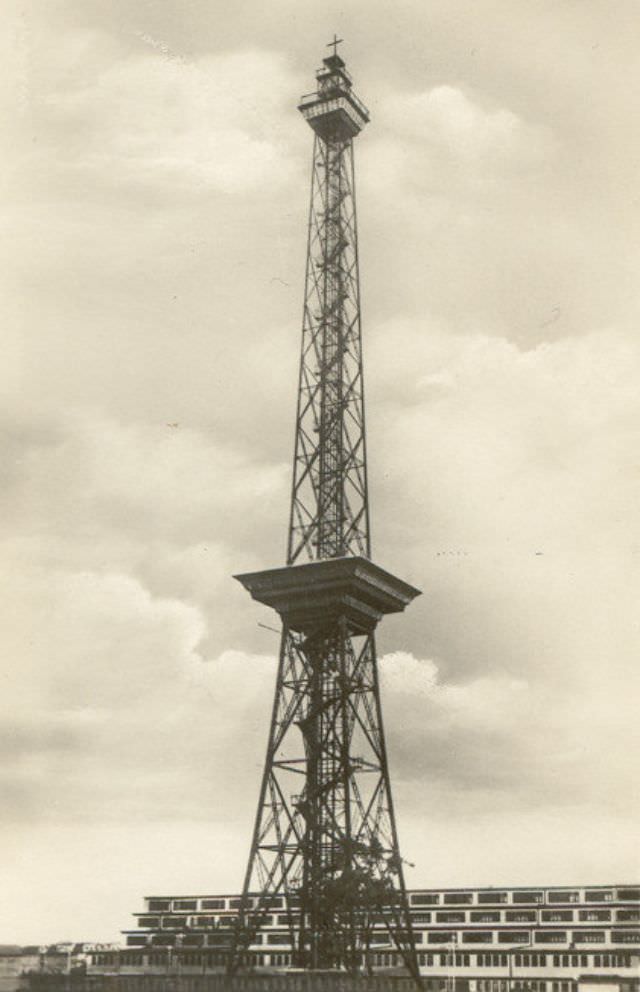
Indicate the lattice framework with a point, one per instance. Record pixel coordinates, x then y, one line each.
324 836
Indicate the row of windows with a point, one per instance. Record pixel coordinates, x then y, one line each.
531 985
446 917
539 936
442 959
484 897
203 922
216 903
432 937
532 960
528 916
510 916
523 896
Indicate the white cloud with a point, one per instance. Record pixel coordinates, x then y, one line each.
443 139
87 472
447 116
530 447
155 120
113 679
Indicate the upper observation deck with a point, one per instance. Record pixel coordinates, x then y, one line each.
334 111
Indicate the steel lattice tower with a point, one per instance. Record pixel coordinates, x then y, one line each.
325 839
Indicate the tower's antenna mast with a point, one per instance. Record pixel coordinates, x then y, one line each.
325 849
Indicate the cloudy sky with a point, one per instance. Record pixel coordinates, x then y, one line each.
155 177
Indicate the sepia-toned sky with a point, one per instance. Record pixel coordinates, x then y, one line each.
155 174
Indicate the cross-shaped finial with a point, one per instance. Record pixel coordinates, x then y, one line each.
334 44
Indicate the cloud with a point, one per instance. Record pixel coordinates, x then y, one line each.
112 680
510 497
495 741
513 442
156 120
444 120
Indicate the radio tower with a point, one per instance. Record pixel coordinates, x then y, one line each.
325 849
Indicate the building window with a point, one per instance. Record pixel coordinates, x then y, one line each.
594 914
626 936
520 916
524 897
588 936
482 916
557 915
492 898
218 939
598 895
278 938
563 896
151 922
189 904
628 915
193 940
478 937
450 917
212 904
550 936
628 893
272 902
425 899
458 898
441 937
158 905
379 938
513 937
421 917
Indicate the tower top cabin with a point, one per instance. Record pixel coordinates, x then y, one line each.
334 111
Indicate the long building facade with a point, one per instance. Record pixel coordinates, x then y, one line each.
468 940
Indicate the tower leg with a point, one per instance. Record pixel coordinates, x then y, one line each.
325 844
